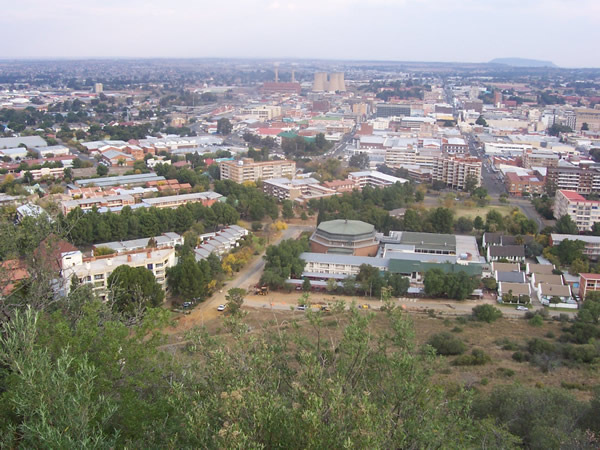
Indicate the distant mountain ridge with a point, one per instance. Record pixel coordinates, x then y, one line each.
522 62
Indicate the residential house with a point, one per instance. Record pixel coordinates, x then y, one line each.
515 253
514 292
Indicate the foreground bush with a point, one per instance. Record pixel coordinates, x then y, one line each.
486 313
447 344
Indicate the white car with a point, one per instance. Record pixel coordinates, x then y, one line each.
221 308
522 308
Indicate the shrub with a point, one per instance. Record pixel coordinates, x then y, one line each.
536 321
536 345
461 319
507 344
504 372
477 358
484 381
457 330
447 344
550 335
486 313
257 226
519 356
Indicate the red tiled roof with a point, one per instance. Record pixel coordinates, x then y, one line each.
572 195
590 276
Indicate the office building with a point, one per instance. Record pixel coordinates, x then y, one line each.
588 282
538 158
164 240
247 169
591 117
585 213
299 189
519 185
454 171
392 110
591 247
263 113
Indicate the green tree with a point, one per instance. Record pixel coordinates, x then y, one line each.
490 283
224 126
442 220
287 210
481 121
446 344
471 182
464 225
590 308
134 289
306 286
486 313
399 284
189 278
331 285
478 223
434 282
585 127
568 251
579 266
235 300
359 160
101 170
566 225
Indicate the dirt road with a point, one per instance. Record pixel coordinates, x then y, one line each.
247 277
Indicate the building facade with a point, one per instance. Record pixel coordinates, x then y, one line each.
583 212
248 170
583 180
454 171
346 237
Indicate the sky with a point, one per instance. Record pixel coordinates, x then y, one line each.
562 31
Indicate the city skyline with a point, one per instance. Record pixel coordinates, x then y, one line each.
383 30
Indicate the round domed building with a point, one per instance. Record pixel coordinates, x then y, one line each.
344 237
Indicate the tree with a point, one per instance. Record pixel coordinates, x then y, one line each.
435 282
359 160
224 126
478 223
134 289
471 182
489 283
399 284
101 170
464 225
287 210
568 251
331 285
235 300
481 121
189 278
590 309
596 229
306 285
579 266
585 126
486 313
566 225
446 344
442 220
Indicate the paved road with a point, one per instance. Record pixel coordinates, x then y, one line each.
247 277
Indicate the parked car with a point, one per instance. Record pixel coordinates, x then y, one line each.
364 306
221 308
302 307
522 308
187 304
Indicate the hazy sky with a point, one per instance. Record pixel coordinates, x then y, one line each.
563 31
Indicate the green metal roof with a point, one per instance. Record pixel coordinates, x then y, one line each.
347 227
407 266
429 240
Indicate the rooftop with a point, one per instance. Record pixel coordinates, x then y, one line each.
348 227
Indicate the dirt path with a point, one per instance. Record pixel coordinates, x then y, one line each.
245 279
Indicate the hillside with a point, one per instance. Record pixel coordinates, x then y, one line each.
522 62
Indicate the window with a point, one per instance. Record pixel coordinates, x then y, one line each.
99 276
150 266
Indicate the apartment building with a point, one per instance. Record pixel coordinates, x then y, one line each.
87 204
374 179
248 170
97 270
168 239
296 189
592 243
173 201
535 158
583 212
519 185
453 171
392 110
588 282
583 180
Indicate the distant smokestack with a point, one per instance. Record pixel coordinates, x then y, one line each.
276 72
293 76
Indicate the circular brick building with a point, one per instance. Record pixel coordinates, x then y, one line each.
346 237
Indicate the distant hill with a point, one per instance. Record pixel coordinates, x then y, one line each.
523 62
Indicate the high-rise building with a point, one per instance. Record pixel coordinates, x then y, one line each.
248 170
591 117
332 83
454 171
583 180
585 213
98 88
392 110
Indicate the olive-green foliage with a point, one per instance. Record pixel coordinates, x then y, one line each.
457 286
543 418
283 261
445 343
87 380
486 313
477 358
133 289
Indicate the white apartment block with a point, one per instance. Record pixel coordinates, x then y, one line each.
96 270
248 170
453 171
374 179
585 213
